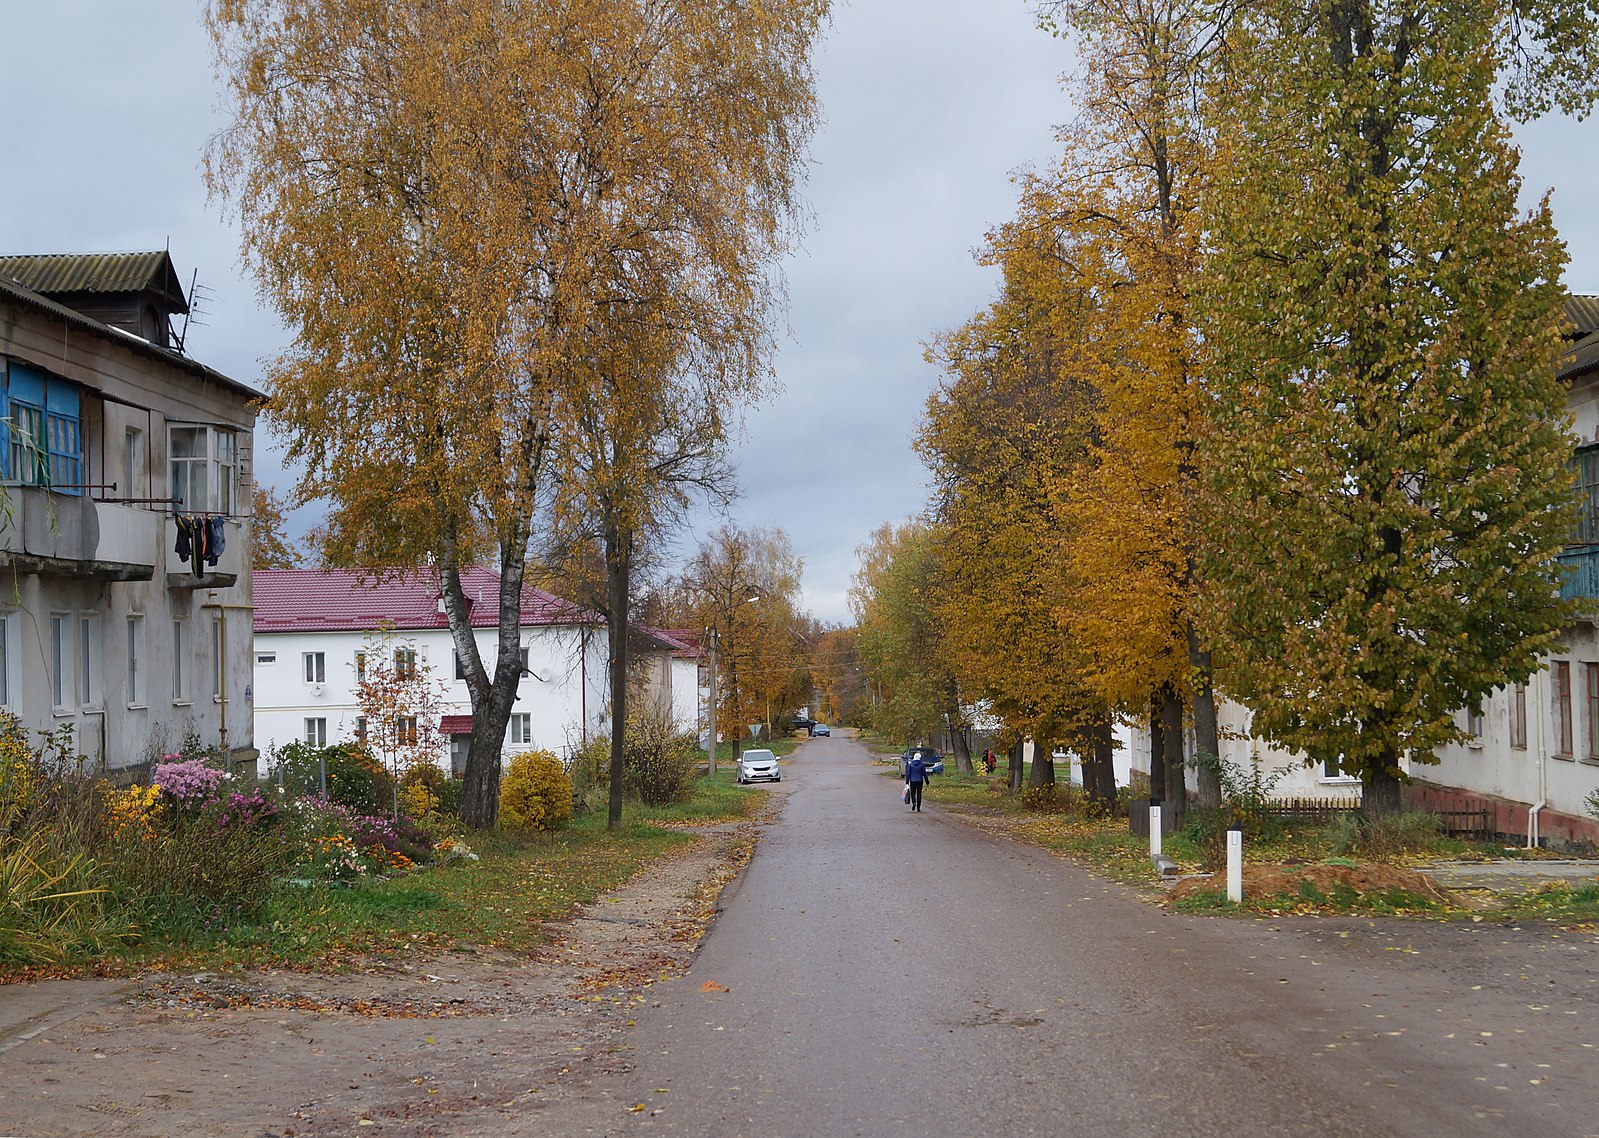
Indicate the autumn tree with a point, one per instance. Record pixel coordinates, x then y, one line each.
480 216
401 702
1387 449
269 543
744 586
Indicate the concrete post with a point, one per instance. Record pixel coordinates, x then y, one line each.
1154 827
1235 865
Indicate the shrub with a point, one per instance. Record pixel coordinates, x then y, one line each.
354 778
1383 838
535 793
449 795
1045 799
418 793
660 761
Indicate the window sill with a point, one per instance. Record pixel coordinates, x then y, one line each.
181 701
1565 758
1474 744
138 707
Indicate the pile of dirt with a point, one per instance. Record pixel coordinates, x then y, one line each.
1290 881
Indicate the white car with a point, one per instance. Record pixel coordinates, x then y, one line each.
758 764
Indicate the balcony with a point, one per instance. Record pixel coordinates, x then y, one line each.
181 574
66 535
1581 582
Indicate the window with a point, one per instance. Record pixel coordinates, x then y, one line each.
1590 675
405 730
204 468
132 463
360 728
360 667
1586 462
1332 770
1561 672
460 668
316 671
219 664
41 430
1474 727
7 643
180 660
60 657
135 686
1518 717
89 661
405 664
521 728
263 658
316 732
459 745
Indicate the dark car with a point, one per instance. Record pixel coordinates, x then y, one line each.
803 723
821 729
932 760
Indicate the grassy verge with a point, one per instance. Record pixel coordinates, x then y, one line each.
500 902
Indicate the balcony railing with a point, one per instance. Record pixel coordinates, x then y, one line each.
74 536
1581 581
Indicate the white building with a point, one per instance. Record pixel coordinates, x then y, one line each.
115 450
312 629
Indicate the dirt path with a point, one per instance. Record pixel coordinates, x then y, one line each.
462 1044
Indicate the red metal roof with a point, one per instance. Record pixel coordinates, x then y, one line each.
685 642
455 725
348 600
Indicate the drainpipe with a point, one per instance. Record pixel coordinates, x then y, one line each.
1533 835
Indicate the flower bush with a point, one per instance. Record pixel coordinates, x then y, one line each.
187 783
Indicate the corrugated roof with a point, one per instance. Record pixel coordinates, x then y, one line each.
346 600
1582 358
17 293
55 274
1583 312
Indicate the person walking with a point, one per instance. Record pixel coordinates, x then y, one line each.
915 776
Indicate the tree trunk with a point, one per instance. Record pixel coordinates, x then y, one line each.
1380 790
492 700
1207 739
957 729
1013 770
1157 752
1171 724
1043 772
618 567
1099 764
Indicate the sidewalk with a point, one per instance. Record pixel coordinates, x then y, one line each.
1511 875
29 1010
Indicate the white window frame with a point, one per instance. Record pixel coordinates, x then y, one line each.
316 730
1518 717
266 659
214 463
519 730
314 667
135 644
180 659
9 645
61 663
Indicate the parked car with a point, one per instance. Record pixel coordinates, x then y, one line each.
758 764
820 729
932 760
803 723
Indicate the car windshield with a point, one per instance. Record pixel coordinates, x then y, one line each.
758 756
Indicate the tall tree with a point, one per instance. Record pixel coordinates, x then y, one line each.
1388 452
269 543
477 214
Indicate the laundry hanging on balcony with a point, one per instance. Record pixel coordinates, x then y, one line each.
201 540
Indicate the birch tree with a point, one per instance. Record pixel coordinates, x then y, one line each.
470 212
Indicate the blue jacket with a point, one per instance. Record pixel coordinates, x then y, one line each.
915 769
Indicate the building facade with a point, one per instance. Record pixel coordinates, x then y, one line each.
125 529
315 631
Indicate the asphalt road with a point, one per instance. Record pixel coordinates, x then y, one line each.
878 972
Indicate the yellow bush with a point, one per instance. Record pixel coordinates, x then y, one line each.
535 793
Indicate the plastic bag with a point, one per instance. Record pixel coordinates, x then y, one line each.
905 795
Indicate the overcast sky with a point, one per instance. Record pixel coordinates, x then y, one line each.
931 106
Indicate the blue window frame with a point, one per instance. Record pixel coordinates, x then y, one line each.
41 430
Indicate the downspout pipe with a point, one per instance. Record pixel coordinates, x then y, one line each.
1533 835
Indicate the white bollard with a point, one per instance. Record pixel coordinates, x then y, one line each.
1154 828
1235 866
